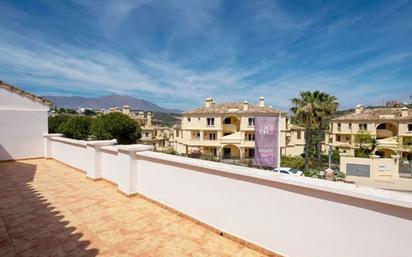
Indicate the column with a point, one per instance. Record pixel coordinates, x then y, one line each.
128 168
94 171
47 144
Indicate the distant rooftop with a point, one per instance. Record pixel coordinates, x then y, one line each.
377 114
233 107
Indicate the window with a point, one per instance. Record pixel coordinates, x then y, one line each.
298 135
339 126
188 119
146 134
210 121
212 136
251 122
338 138
250 137
410 127
363 126
350 125
227 121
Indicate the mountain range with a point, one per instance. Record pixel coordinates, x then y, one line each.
106 102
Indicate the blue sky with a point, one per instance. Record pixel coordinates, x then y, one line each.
176 53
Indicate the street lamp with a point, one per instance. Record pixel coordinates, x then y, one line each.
330 155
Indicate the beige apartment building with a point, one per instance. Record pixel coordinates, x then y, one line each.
392 128
227 130
152 133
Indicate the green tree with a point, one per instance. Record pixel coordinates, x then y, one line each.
363 138
311 109
292 161
366 144
76 127
116 126
304 108
88 112
55 121
328 105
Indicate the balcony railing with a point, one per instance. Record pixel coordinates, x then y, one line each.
262 202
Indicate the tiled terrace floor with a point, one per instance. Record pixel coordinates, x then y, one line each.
49 209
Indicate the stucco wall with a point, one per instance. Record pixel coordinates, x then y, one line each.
294 216
22 125
287 218
110 168
70 151
380 168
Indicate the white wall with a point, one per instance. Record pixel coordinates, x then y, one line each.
286 216
289 215
110 166
22 125
70 151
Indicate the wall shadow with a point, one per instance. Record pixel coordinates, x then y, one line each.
29 224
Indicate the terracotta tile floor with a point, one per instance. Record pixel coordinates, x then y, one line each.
49 209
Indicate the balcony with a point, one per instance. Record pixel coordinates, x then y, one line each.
384 133
234 138
178 206
50 209
230 128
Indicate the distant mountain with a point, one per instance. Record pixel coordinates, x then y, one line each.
105 102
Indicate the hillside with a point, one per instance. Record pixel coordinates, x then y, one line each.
105 102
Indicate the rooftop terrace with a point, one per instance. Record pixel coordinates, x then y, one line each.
43 212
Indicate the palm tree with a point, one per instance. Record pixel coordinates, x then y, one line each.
304 108
311 108
328 105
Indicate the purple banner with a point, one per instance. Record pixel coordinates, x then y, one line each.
267 148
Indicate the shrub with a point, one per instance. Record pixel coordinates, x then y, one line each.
115 126
55 121
169 151
339 176
312 173
362 152
292 161
76 127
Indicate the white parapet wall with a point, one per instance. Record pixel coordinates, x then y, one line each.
293 216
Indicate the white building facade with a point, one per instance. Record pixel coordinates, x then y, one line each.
23 121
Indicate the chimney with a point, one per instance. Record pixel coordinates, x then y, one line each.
404 112
126 110
208 102
149 119
359 108
261 101
245 105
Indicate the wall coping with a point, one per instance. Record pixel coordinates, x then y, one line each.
52 135
69 141
130 149
102 142
109 149
361 192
